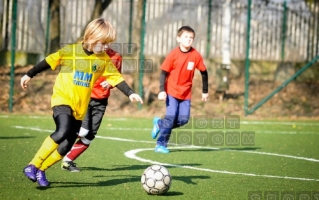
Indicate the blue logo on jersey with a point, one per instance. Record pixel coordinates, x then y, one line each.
82 78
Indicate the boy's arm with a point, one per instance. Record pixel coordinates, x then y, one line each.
162 80
162 94
40 67
123 87
205 81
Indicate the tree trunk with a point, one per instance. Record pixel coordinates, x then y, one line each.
223 71
54 25
137 39
99 7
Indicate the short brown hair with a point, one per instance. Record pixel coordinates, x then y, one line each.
185 28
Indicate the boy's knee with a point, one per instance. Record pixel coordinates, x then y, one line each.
90 136
86 141
167 123
83 132
59 136
183 122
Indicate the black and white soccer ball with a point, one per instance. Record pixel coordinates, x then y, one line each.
156 180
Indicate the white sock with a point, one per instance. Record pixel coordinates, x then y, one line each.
83 132
66 159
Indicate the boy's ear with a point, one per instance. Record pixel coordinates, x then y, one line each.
178 39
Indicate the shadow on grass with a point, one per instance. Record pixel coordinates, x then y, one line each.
103 184
128 167
119 181
172 193
116 168
13 138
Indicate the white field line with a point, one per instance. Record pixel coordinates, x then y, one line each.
265 132
241 122
132 154
50 117
148 129
280 123
153 142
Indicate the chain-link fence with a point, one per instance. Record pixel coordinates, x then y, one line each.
275 26
227 31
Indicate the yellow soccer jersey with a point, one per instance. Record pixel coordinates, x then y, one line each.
77 75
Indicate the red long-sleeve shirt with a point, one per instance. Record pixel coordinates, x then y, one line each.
98 91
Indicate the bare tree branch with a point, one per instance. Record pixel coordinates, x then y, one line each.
99 7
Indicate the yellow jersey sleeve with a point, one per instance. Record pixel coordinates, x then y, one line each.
111 73
54 59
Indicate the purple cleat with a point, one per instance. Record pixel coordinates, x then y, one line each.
42 180
30 171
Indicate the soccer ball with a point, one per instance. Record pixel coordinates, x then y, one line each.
156 180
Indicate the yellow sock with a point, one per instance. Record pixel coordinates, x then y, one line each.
51 160
45 150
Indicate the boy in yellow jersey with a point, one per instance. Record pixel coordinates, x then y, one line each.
93 118
80 66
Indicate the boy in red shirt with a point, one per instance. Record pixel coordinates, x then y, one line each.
93 119
176 87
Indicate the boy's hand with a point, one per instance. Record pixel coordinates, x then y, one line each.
204 96
105 85
135 97
24 80
162 95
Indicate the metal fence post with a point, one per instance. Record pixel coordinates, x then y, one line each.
247 60
131 22
209 28
141 56
13 47
283 36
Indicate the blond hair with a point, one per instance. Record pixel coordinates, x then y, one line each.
99 30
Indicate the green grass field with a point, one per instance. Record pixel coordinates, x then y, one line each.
284 160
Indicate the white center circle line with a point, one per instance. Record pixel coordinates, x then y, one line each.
132 154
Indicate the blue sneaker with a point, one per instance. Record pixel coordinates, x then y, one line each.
156 128
30 172
161 149
42 180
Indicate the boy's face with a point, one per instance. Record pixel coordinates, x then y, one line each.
186 39
95 47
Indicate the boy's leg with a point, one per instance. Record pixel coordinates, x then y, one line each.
64 124
79 147
167 123
41 177
62 149
156 127
45 150
65 145
183 113
62 117
87 122
99 107
50 143
91 123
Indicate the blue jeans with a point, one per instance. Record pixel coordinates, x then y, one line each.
177 114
